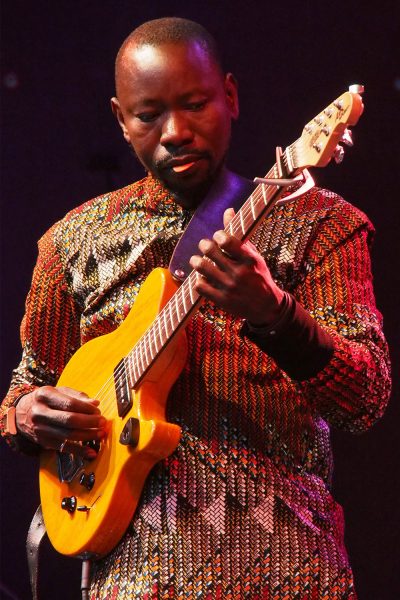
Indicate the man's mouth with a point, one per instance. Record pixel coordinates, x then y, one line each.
184 167
183 163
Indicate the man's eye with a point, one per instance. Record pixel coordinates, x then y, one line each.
196 105
147 117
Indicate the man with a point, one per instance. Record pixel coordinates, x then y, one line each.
287 340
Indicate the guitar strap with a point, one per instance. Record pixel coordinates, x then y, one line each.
229 191
36 533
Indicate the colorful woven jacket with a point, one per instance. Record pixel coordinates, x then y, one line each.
242 508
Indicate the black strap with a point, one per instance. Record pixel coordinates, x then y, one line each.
229 191
36 533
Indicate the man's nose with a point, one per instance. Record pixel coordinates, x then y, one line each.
176 130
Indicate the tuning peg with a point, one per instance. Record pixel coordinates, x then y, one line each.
338 154
347 138
356 88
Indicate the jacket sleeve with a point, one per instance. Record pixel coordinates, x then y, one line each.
49 329
352 390
329 340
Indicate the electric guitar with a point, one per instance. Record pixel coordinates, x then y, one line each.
88 505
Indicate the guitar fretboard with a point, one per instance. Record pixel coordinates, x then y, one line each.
178 309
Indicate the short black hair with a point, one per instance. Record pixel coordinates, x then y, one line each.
170 30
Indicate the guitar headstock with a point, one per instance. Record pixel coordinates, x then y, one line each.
320 138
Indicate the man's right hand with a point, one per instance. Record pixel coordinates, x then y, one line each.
52 417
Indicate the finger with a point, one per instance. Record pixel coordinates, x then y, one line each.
234 250
229 213
68 420
52 435
72 393
208 270
216 253
77 435
211 291
66 399
240 251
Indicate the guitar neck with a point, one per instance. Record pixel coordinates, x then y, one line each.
180 307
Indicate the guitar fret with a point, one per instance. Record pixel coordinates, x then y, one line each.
128 360
165 322
134 368
141 356
153 343
183 294
252 207
160 332
171 315
146 348
144 351
176 308
191 292
264 194
125 376
242 222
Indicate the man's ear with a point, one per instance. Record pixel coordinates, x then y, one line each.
116 108
231 91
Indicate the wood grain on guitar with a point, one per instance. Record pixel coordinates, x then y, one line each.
87 506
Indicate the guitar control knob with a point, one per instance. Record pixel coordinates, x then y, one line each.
69 503
87 480
130 433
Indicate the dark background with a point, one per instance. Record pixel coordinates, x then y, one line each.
61 146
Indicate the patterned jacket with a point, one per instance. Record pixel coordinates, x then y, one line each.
242 508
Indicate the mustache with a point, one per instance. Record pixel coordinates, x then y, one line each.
163 163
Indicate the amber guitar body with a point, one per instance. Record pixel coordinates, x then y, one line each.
119 470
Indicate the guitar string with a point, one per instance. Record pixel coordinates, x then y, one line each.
145 346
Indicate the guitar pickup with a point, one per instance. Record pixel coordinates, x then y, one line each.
122 389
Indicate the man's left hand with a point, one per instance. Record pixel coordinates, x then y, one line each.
235 276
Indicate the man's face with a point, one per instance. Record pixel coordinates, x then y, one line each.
175 109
